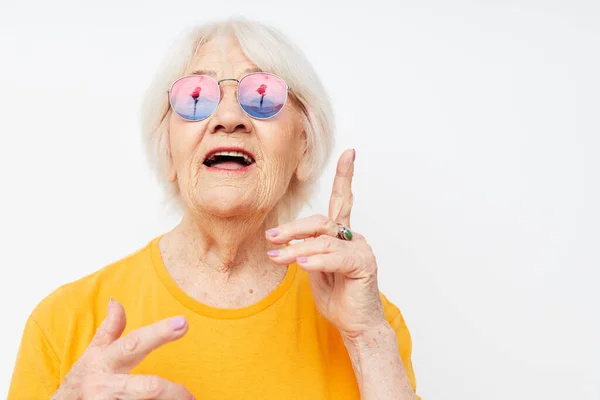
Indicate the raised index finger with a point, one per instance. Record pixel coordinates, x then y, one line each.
340 204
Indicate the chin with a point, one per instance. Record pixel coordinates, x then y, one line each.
226 202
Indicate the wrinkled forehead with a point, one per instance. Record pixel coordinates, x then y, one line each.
221 58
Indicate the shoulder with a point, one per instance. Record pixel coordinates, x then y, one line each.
82 302
73 294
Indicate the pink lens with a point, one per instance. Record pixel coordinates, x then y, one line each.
194 97
262 95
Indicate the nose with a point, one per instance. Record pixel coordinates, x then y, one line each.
229 116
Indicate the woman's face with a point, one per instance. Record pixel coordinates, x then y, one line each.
227 188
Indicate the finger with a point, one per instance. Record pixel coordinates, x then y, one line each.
313 226
112 327
323 244
127 352
130 387
340 203
347 263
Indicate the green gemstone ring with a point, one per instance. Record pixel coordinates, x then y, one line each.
344 233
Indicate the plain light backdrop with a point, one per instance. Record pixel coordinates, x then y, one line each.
476 126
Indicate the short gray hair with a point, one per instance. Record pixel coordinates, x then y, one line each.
271 51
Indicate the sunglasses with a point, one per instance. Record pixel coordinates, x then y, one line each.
195 97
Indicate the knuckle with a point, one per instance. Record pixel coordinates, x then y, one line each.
326 241
130 343
93 387
154 386
321 219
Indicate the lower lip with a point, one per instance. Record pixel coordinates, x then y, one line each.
229 171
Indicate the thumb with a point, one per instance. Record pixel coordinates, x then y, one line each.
112 327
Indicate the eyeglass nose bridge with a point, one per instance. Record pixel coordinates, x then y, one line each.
222 92
228 79
225 80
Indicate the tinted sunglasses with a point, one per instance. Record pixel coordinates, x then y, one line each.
195 97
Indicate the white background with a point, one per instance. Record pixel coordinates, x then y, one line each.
477 176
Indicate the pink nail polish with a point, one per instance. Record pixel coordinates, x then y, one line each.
272 232
302 259
273 253
177 323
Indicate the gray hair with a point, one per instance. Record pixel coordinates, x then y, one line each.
271 51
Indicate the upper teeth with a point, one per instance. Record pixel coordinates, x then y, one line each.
246 158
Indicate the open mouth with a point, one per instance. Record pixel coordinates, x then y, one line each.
228 159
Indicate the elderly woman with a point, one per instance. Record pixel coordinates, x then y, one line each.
239 300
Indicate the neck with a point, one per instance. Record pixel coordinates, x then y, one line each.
225 245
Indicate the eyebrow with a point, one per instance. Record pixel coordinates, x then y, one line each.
204 72
213 73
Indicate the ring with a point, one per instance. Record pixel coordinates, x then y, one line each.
344 233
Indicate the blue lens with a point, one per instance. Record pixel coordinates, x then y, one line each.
194 97
262 95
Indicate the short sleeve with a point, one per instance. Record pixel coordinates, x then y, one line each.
37 369
395 319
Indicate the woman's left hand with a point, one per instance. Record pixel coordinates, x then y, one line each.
342 273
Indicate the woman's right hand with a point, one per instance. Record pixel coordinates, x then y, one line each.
102 372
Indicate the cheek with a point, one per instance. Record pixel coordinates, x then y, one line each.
282 147
184 138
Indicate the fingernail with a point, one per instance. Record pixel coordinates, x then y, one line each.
177 323
273 253
110 301
302 259
272 232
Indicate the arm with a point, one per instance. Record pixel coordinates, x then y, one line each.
342 272
379 370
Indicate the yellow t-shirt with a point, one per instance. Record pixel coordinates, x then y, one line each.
277 348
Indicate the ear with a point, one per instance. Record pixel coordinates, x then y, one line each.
303 168
171 170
